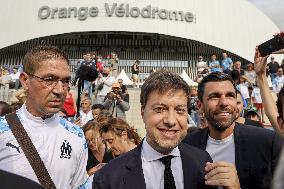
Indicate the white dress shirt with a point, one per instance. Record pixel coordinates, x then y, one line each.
153 168
85 117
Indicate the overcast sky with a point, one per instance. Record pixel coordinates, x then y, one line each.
273 9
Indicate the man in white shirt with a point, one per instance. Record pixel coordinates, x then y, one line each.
60 144
86 111
104 83
15 75
201 65
161 161
278 82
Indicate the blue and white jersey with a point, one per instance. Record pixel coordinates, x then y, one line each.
215 66
60 144
227 63
278 83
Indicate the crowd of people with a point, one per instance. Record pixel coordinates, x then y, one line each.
10 76
245 78
211 136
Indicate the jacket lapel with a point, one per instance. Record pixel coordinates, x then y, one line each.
188 169
134 177
241 154
203 138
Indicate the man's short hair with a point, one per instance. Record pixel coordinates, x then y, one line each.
213 77
87 98
162 81
39 54
98 106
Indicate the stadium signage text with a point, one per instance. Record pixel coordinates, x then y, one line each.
122 10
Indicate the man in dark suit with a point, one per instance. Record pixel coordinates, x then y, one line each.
13 181
160 161
253 150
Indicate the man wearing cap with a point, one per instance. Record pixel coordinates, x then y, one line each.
116 102
241 119
251 113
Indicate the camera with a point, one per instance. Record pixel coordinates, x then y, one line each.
117 92
114 94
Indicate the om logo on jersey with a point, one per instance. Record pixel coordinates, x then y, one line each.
66 150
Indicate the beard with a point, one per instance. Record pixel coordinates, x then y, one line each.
160 144
221 125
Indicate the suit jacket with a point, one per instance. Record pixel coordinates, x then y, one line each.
125 172
13 181
256 153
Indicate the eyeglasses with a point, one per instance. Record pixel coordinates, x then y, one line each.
51 80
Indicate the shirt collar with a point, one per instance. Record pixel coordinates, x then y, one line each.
86 114
222 141
31 118
150 154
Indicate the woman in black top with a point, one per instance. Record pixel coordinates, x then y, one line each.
98 152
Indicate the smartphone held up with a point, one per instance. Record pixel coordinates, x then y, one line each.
272 45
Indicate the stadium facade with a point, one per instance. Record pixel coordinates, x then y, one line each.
161 33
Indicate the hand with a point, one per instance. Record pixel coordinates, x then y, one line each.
118 97
111 96
281 51
222 174
77 121
259 63
95 169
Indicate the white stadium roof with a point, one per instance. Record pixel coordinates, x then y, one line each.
234 25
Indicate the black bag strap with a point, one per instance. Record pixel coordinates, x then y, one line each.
30 151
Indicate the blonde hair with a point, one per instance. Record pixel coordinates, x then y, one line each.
117 126
92 125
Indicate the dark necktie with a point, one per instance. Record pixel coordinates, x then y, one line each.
169 181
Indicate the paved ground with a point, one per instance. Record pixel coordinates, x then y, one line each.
133 116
